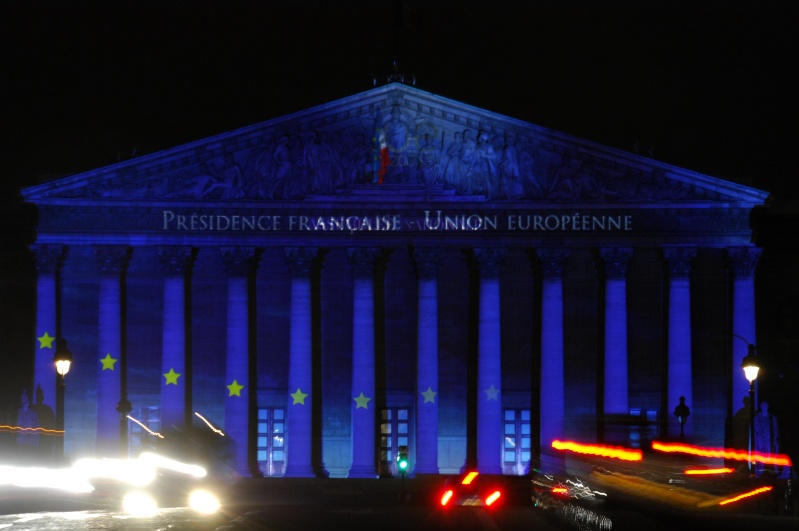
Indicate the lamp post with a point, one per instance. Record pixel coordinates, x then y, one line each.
63 361
681 412
751 368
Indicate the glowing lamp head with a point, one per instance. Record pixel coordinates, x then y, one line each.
750 365
62 358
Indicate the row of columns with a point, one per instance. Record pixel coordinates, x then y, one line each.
241 263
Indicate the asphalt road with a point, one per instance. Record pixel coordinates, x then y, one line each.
285 505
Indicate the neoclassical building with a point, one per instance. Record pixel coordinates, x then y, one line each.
393 269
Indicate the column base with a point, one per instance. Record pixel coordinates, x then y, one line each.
363 472
300 471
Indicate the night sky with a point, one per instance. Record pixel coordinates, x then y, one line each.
711 88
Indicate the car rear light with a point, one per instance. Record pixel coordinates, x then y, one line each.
469 478
560 490
446 497
493 497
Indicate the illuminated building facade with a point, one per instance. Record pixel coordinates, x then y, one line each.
394 269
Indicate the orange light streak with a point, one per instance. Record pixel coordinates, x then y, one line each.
707 471
559 490
726 453
494 497
469 478
616 452
44 431
446 497
745 495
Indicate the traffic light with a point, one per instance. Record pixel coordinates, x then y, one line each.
402 460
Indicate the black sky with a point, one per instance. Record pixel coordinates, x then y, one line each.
709 86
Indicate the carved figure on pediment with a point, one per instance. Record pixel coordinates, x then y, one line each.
397 138
452 163
261 180
226 183
312 165
330 159
427 163
232 179
585 184
467 156
282 171
484 171
510 186
206 183
531 179
559 184
359 169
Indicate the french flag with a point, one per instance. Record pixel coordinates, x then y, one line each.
383 156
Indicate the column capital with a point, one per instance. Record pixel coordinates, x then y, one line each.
552 261
489 260
49 258
301 259
427 260
743 260
176 261
112 259
240 261
678 261
615 260
362 260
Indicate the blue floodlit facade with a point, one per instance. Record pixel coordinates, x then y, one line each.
393 269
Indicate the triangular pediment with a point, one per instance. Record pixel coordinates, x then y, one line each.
436 148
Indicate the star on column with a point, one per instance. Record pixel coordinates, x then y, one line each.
234 389
46 341
429 395
171 377
108 362
361 401
299 397
491 393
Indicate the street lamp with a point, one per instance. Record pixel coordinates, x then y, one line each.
681 412
751 367
63 361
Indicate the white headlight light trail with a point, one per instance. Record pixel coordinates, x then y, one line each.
203 502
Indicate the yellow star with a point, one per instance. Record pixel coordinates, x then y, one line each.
46 341
491 393
429 395
171 377
361 401
235 388
108 362
299 397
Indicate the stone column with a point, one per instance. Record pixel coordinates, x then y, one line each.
489 364
680 381
49 260
299 420
742 263
616 390
364 457
112 396
552 402
427 262
240 263
176 264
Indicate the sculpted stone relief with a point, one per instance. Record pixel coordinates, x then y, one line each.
423 152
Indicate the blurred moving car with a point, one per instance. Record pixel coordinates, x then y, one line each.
472 489
571 499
